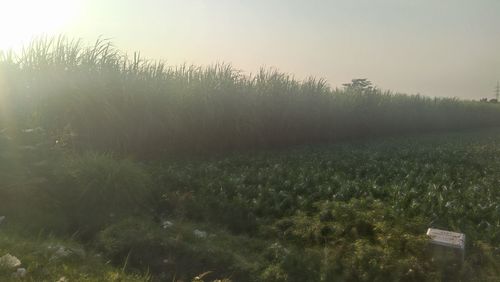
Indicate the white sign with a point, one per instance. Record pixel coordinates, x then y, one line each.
447 238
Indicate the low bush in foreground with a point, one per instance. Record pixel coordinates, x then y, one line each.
93 190
49 259
179 251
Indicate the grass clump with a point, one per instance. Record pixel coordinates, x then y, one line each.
362 241
46 258
94 190
179 252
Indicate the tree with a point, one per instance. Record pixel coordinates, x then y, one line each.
359 84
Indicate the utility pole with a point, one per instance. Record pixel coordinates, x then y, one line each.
497 90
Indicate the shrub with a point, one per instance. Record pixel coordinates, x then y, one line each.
26 159
133 241
94 190
172 253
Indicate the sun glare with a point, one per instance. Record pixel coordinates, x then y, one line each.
22 20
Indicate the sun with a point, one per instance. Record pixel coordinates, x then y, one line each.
22 20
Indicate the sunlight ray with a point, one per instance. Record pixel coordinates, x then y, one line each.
22 20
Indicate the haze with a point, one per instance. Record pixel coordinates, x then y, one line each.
435 48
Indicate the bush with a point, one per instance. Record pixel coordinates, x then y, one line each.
94 190
133 241
292 265
172 253
26 159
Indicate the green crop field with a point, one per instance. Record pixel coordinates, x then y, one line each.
354 212
126 170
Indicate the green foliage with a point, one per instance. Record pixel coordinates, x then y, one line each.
25 164
175 252
39 256
93 190
97 98
363 240
359 85
361 210
345 212
291 265
134 241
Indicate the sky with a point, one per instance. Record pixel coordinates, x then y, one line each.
434 48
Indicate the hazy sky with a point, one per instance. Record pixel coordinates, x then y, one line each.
432 47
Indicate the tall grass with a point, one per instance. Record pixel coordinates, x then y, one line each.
97 97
